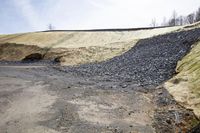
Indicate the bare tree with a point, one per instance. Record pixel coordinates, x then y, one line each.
185 21
153 23
173 20
191 18
197 17
164 23
50 27
181 20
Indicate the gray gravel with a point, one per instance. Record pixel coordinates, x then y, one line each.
150 62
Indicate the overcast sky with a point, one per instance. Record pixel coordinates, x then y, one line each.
34 15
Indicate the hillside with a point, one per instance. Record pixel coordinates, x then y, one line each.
143 81
72 48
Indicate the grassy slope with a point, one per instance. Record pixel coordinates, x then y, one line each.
83 47
82 39
185 86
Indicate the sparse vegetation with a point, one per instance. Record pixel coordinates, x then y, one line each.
177 20
76 48
187 91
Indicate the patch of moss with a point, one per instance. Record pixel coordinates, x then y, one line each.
194 122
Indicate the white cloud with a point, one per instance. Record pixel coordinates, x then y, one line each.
134 13
29 13
89 14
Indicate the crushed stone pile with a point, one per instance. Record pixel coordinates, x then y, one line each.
150 62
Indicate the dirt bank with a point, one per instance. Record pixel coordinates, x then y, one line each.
185 86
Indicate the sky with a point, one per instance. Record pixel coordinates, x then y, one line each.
17 16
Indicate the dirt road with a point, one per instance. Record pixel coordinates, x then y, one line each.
43 100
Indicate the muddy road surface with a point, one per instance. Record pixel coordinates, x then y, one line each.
41 99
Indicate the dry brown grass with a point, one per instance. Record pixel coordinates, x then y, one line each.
79 47
185 86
